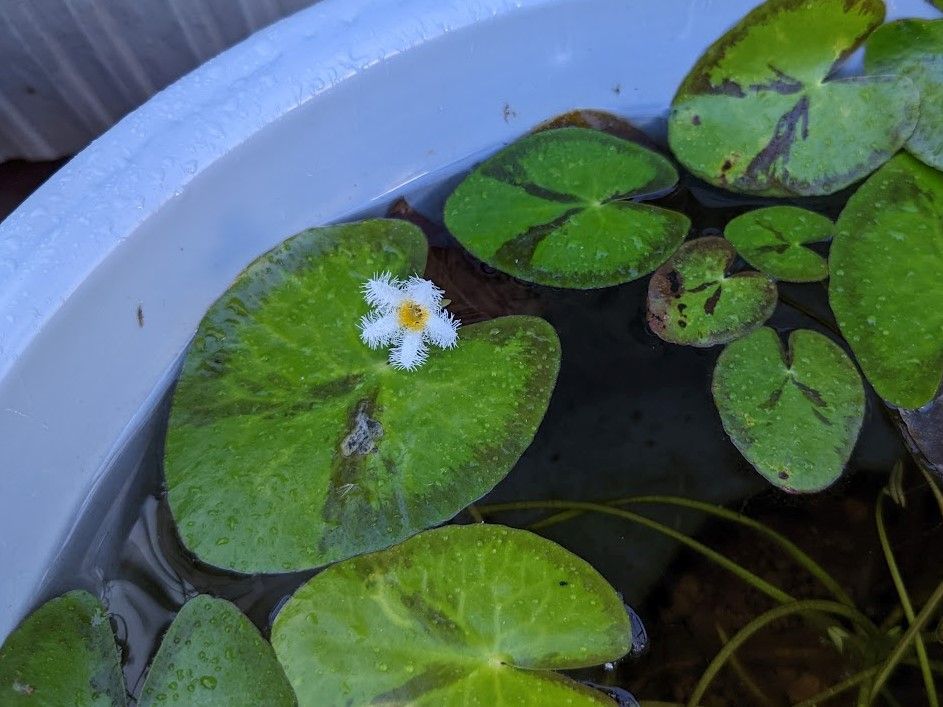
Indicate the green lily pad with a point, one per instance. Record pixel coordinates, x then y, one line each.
795 415
477 614
773 240
64 653
559 207
759 112
291 444
914 48
886 285
692 300
213 655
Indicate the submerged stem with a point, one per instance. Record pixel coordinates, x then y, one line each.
889 698
934 487
743 573
761 621
838 688
904 600
893 617
741 671
801 308
920 620
793 550
746 575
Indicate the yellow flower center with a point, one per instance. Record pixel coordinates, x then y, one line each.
412 315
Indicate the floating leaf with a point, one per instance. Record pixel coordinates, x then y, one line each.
558 208
291 444
63 654
773 240
793 414
886 284
692 300
213 655
914 48
478 612
760 112
609 123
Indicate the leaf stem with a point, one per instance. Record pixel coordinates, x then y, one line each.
802 309
838 688
750 578
934 487
904 599
741 671
760 622
889 697
753 580
892 618
791 549
894 657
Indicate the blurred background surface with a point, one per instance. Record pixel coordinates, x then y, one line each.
72 68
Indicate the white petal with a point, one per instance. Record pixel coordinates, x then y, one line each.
442 330
383 291
423 292
409 353
378 329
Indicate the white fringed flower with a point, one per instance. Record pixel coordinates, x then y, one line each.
407 316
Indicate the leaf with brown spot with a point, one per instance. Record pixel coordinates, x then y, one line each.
291 444
693 300
759 112
793 413
774 240
563 207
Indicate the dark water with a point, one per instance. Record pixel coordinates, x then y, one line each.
630 415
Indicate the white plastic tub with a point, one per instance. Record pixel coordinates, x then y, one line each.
106 270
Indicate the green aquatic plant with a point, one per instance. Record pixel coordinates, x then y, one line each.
694 300
562 207
913 48
476 613
213 655
292 444
886 287
904 598
762 111
881 649
64 653
793 413
774 239
295 441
